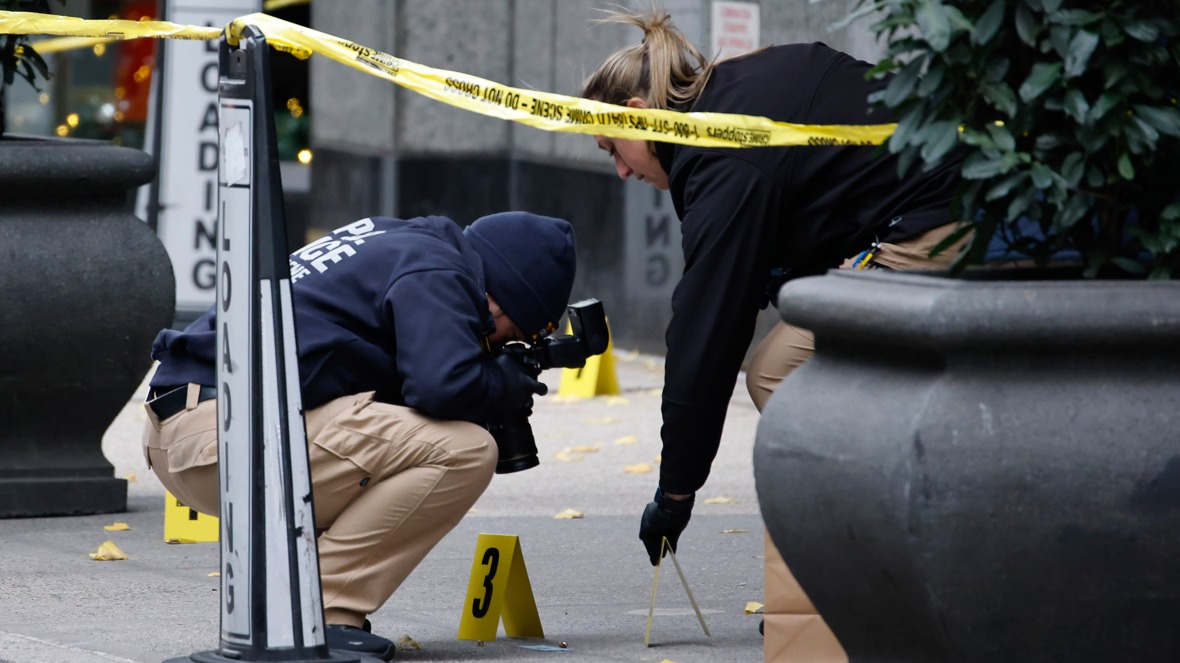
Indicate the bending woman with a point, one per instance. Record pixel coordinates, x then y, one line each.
750 217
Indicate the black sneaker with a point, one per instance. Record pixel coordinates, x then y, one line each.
360 640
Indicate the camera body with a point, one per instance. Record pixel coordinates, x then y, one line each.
590 336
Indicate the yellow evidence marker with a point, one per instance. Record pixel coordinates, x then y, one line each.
596 378
499 587
186 525
655 583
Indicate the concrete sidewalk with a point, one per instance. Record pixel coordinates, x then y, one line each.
590 576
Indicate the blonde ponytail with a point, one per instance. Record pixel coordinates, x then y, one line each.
665 69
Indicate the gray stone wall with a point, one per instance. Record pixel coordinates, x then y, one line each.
382 149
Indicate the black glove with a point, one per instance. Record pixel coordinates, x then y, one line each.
519 383
663 518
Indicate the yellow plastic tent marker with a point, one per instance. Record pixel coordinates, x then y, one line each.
596 378
655 583
187 525
499 588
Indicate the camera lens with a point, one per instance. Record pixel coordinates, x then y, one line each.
514 439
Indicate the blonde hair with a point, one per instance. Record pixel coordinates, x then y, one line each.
665 69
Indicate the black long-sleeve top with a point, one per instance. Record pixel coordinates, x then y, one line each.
744 211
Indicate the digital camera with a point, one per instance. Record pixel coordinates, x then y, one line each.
512 432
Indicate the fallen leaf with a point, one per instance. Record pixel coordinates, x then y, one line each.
753 608
584 449
117 527
627 439
640 468
568 514
473 510
408 642
658 459
130 477
720 500
735 531
565 457
566 398
654 392
215 574
108 551
616 400
627 356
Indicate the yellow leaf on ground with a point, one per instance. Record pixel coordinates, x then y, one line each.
630 355
568 514
654 392
565 398
720 500
117 527
215 574
473 510
753 608
585 449
407 642
108 551
616 400
565 457
735 531
659 459
640 468
627 439
130 477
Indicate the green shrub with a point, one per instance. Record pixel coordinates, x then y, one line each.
1067 115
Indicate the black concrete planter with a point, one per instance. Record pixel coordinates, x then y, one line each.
84 287
982 470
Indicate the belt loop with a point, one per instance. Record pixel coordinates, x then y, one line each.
192 396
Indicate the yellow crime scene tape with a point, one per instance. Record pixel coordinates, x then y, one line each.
543 110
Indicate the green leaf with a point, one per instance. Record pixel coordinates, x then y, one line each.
1081 47
1075 17
1019 204
1104 105
1070 213
934 24
1042 175
939 138
1027 25
931 82
1044 75
1166 120
1002 136
1072 168
996 69
864 10
1112 35
1001 97
1050 6
1005 186
1171 212
1126 169
1130 266
1114 71
902 86
1142 30
1076 105
989 23
979 167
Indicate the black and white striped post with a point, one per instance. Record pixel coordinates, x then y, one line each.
271 605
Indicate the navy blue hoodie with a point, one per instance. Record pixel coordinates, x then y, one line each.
387 305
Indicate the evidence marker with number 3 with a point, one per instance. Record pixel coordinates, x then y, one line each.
499 587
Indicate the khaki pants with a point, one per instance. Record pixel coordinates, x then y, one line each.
786 347
388 484
794 631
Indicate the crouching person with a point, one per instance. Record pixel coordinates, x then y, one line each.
396 320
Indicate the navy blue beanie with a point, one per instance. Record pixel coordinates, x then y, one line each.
528 263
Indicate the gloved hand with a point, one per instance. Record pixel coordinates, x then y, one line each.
663 518
519 383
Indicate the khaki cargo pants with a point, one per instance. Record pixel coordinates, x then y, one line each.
388 484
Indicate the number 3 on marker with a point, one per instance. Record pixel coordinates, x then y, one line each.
491 559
